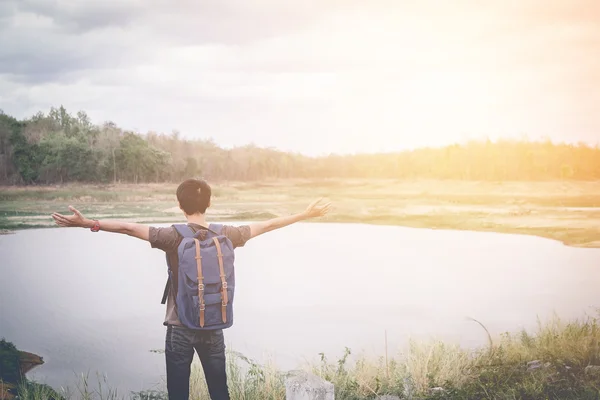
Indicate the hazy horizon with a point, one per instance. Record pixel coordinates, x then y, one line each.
311 77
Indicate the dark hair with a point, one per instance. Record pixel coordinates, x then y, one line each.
193 196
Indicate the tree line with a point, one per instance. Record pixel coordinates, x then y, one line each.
59 147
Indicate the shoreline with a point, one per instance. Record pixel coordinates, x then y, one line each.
566 211
557 235
560 235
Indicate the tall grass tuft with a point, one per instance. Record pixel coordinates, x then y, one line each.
247 380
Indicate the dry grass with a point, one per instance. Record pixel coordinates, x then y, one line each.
432 364
547 364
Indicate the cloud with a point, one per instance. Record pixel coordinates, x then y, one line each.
309 75
34 47
78 16
45 40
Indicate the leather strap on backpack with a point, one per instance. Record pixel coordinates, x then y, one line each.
200 282
223 281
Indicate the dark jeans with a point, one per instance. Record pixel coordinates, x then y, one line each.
179 352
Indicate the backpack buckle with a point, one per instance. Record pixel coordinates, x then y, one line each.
224 285
201 287
202 306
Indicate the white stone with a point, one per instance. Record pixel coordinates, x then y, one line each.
301 385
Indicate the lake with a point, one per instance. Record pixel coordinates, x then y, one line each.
90 302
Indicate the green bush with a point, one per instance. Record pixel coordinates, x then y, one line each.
10 370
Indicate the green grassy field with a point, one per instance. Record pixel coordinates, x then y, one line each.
566 211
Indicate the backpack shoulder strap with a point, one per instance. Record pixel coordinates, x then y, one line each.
224 298
184 230
217 229
166 291
168 284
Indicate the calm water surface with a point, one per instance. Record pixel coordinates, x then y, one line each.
90 303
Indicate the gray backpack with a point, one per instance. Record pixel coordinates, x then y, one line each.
205 279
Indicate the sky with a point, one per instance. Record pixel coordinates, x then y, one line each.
311 76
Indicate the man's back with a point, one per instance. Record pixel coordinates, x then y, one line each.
168 240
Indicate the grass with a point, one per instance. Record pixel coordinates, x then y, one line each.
555 362
565 210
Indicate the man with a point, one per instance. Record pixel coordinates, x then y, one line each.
194 198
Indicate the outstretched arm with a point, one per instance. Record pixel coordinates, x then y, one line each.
79 221
313 210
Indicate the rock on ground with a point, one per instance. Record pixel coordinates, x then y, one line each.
301 385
